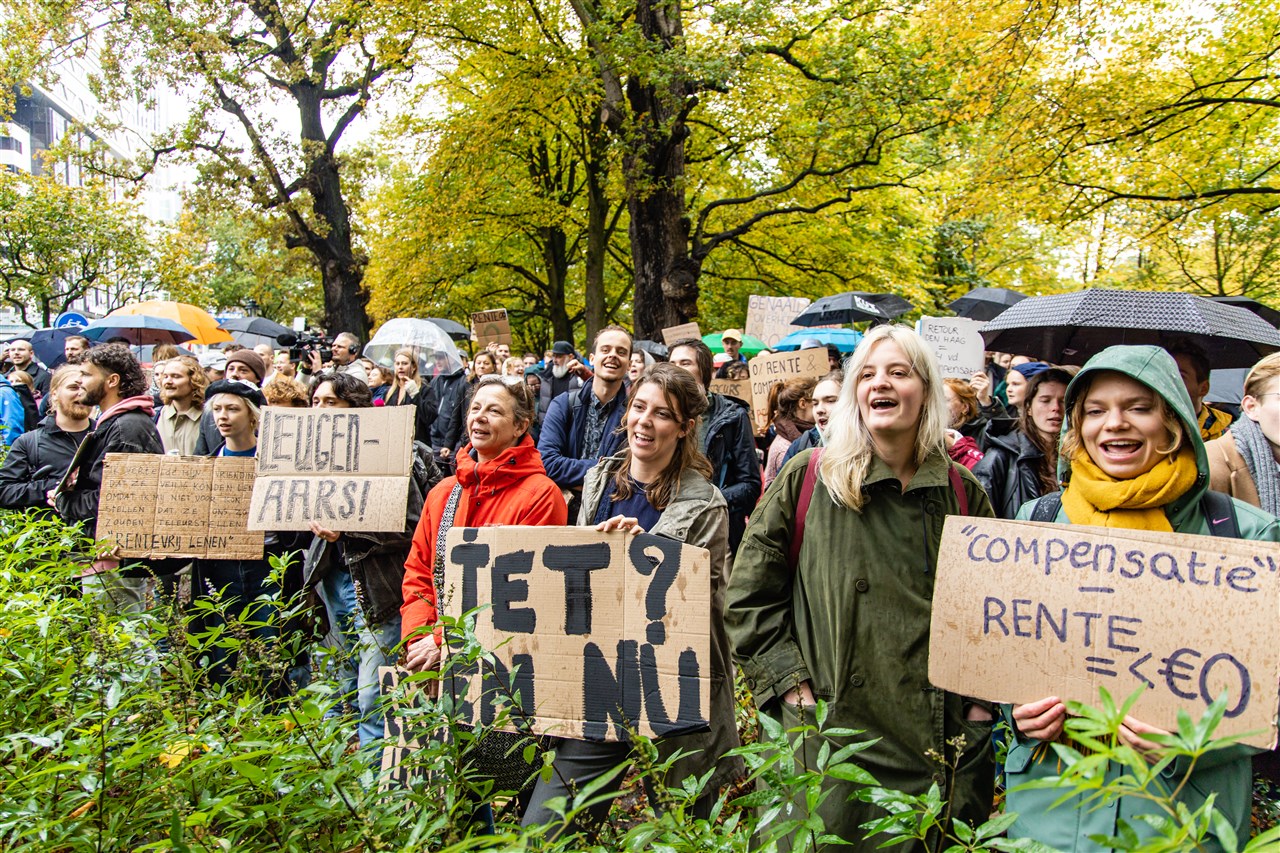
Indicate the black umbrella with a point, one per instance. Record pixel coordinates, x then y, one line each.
1069 328
840 309
654 348
1266 312
455 331
985 303
251 331
48 344
891 305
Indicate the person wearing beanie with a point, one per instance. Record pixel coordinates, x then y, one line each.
246 365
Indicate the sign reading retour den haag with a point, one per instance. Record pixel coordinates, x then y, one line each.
1022 611
345 469
596 633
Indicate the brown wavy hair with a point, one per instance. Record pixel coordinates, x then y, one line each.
685 395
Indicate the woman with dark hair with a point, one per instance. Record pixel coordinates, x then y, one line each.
965 422
790 415
659 484
1021 465
484 364
1132 458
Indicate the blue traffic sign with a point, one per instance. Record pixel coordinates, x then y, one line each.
70 318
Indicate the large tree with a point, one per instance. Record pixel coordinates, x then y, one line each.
272 87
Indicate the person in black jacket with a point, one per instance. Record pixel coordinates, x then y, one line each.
39 458
1021 465
112 379
727 440
441 404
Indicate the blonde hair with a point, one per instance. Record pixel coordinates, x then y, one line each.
1266 370
23 377
513 366
850 447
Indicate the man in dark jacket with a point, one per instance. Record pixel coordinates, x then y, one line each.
23 358
372 564
564 373
112 379
727 440
441 415
39 458
582 426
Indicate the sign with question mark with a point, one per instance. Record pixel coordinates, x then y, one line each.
591 634
491 327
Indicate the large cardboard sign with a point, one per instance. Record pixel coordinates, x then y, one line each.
491 327
739 388
593 633
683 332
177 506
956 342
1022 611
345 469
769 317
768 369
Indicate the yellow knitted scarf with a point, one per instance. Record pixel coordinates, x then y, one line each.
1095 497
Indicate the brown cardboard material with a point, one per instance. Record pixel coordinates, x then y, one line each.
177 506
768 369
769 317
683 332
1022 611
491 327
738 388
581 638
345 469
957 344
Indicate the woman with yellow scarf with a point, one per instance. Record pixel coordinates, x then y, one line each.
1131 457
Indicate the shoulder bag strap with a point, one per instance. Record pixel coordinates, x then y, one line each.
446 522
1046 508
957 486
1220 511
802 506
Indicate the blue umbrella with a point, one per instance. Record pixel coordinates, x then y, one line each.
48 344
845 340
138 329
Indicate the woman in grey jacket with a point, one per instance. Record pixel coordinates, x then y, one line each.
659 484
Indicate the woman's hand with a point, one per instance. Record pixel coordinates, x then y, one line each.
621 522
1132 731
800 696
981 384
1041 720
423 655
324 533
950 437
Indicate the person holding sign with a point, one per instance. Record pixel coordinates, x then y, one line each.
659 483
1132 457
831 589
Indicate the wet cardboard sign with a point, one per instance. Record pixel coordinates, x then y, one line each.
345 469
591 633
683 332
738 388
768 369
769 317
178 506
956 343
1022 611
491 327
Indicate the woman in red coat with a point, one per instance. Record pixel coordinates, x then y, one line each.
500 480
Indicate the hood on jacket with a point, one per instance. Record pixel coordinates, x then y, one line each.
141 403
511 466
1156 369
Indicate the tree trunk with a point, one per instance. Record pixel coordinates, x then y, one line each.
554 252
597 226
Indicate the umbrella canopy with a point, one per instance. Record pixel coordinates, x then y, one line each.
845 340
251 331
202 325
48 344
751 345
1068 328
891 305
840 309
424 337
1266 312
454 330
147 354
654 348
985 303
139 330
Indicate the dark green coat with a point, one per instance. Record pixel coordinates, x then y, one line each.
853 619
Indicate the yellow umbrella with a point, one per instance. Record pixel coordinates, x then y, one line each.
195 320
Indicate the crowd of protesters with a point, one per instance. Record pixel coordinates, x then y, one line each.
823 524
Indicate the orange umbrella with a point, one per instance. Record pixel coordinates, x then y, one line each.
195 320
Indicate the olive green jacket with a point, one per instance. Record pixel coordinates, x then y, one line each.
1226 772
853 619
697 515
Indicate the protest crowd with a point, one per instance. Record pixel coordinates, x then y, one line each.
821 503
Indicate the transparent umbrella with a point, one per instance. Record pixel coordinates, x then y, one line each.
424 337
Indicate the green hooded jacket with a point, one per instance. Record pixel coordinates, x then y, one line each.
1226 772
853 619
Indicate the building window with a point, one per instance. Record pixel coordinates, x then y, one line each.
8 143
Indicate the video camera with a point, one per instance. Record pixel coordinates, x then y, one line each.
301 344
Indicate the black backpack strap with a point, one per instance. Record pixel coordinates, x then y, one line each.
1220 511
1047 507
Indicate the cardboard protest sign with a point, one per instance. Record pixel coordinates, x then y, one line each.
178 506
1022 611
345 469
671 334
768 369
593 633
769 317
738 388
956 342
491 327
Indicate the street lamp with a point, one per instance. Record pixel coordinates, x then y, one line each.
251 307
